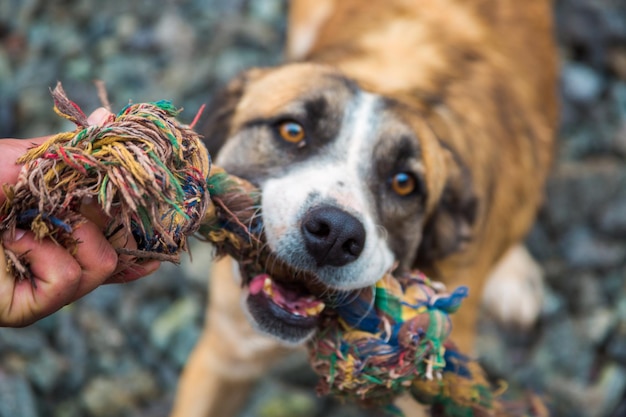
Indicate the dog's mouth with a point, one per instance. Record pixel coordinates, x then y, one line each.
285 309
293 301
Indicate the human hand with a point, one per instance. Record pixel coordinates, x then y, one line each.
60 276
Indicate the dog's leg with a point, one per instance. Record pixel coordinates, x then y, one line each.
514 290
229 357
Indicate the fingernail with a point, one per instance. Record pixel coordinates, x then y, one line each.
17 235
99 116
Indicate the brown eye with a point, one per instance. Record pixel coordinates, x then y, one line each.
291 132
403 184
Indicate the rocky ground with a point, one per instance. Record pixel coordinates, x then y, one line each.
119 351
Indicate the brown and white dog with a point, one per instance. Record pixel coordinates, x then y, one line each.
409 131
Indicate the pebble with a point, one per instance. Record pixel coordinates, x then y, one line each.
492 351
290 404
276 399
582 249
584 294
46 369
619 139
174 36
553 303
617 61
231 62
612 219
101 331
71 342
167 324
112 397
7 114
125 27
597 324
268 10
566 350
107 298
580 83
616 348
28 341
183 343
576 191
618 94
78 68
16 397
539 243
68 408
605 395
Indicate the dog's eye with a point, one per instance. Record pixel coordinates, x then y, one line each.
291 132
403 184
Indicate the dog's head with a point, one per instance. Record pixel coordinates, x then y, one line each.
352 183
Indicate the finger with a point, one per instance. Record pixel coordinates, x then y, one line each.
99 116
7 287
127 268
92 211
12 149
120 239
123 239
95 255
57 277
134 272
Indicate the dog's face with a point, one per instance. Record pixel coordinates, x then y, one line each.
344 181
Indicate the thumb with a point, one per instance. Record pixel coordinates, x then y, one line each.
99 116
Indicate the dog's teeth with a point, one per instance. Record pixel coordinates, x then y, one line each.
314 311
267 286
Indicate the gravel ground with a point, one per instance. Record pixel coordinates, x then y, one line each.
119 351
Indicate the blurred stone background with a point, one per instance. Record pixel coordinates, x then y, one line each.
119 351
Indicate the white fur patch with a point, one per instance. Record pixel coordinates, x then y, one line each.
513 293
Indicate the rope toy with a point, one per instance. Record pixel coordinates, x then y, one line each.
152 176
146 171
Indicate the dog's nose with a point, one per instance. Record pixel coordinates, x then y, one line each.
332 236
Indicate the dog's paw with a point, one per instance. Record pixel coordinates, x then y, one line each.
513 294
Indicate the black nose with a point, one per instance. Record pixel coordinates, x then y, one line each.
332 236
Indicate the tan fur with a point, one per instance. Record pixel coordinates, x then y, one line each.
482 76
284 85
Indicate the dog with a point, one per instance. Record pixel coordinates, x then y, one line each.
400 134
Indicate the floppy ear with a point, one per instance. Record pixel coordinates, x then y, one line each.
216 126
450 226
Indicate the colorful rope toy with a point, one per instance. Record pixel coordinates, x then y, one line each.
151 175
146 171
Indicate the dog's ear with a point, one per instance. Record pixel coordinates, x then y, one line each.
449 228
216 126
